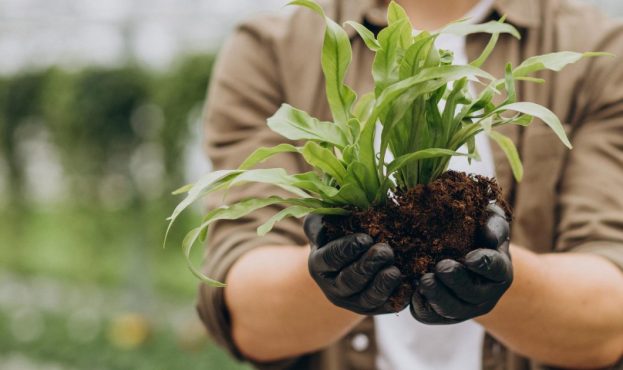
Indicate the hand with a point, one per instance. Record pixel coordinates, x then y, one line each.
456 291
353 272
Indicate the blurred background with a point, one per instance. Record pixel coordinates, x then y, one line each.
100 107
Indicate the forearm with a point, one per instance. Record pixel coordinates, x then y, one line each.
277 310
562 309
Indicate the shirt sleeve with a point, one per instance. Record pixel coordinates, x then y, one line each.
245 90
591 190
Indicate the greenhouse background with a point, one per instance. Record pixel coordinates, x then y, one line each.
99 120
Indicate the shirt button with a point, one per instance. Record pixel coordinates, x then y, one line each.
360 342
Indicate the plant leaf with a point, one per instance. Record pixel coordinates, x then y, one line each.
310 182
544 114
387 58
272 176
366 35
416 54
324 160
182 190
510 150
352 194
511 91
493 27
336 57
364 106
298 212
396 14
553 61
232 212
195 192
296 124
440 76
262 154
403 160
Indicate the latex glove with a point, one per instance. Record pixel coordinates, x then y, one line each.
353 272
456 291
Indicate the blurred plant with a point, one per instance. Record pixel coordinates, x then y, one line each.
20 101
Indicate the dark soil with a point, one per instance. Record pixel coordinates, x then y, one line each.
427 224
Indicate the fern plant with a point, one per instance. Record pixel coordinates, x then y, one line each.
411 78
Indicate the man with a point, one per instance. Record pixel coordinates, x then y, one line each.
562 309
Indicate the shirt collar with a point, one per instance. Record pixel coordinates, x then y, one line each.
520 13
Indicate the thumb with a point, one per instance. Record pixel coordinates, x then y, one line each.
314 229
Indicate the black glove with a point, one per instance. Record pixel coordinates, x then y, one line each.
352 271
456 291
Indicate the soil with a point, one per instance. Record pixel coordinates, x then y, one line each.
427 223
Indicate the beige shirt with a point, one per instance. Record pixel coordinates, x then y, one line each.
568 201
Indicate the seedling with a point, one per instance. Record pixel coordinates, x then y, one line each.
411 78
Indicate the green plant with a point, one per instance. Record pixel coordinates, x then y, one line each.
411 78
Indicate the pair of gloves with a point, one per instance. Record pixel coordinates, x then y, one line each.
357 274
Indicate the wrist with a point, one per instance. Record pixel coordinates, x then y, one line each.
528 272
276 309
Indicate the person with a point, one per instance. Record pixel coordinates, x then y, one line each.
282 310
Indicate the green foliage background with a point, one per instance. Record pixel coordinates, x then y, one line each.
100 239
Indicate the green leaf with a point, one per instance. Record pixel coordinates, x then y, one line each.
364 106
298 212
352 194
262 154
524 120
358 174
416 55
182 190
553 61
232 212
439 76
510 150
366 35
272 176
195 192
294 211
544 114
324 160
366 148
310 182
396 14
492 27
336 57
511 91
296 124
406 159
309 4
187 244
387 58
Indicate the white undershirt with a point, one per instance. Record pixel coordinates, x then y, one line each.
404 343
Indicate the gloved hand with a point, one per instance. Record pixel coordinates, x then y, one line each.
353 272
456 291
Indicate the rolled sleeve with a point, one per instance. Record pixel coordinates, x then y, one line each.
245 90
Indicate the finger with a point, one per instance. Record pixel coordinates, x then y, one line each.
424 313
381 288
464 284
496 209
354 278
489 263
495 232
314 229
339 253
443 301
